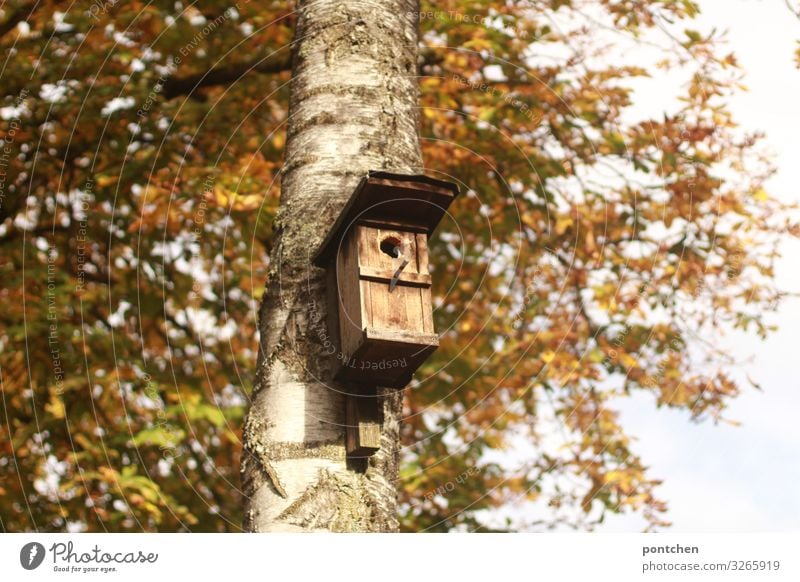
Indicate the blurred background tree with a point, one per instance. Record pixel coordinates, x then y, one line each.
595 254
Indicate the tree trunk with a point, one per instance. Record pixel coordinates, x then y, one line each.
353 108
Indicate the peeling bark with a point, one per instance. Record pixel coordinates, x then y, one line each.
353 108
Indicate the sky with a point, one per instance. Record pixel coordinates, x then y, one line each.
722 478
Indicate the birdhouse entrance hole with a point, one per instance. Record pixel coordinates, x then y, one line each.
392 246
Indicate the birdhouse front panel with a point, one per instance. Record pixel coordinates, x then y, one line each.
395 283
381 282
386 321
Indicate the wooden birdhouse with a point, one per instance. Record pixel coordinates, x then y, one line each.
379 285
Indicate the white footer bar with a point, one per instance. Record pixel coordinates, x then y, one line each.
408 557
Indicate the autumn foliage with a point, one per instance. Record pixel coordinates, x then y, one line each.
596 252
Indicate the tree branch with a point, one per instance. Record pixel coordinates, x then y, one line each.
177 86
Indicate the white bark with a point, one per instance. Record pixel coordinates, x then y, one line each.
353 108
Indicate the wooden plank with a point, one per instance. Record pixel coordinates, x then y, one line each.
405 185
407 308
410 247
402 337
425 300
364 235
393 224
422 254
409 279
349 288
366 304
334 333
389 358
413 307
383 316
363 418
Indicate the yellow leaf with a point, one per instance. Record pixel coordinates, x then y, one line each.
104 180
55 407
562 224
221 197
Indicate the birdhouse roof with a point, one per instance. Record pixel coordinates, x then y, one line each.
402 201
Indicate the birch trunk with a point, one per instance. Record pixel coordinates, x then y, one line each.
353 108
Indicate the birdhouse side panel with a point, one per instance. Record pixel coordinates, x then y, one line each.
427 310
351 322
425 292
